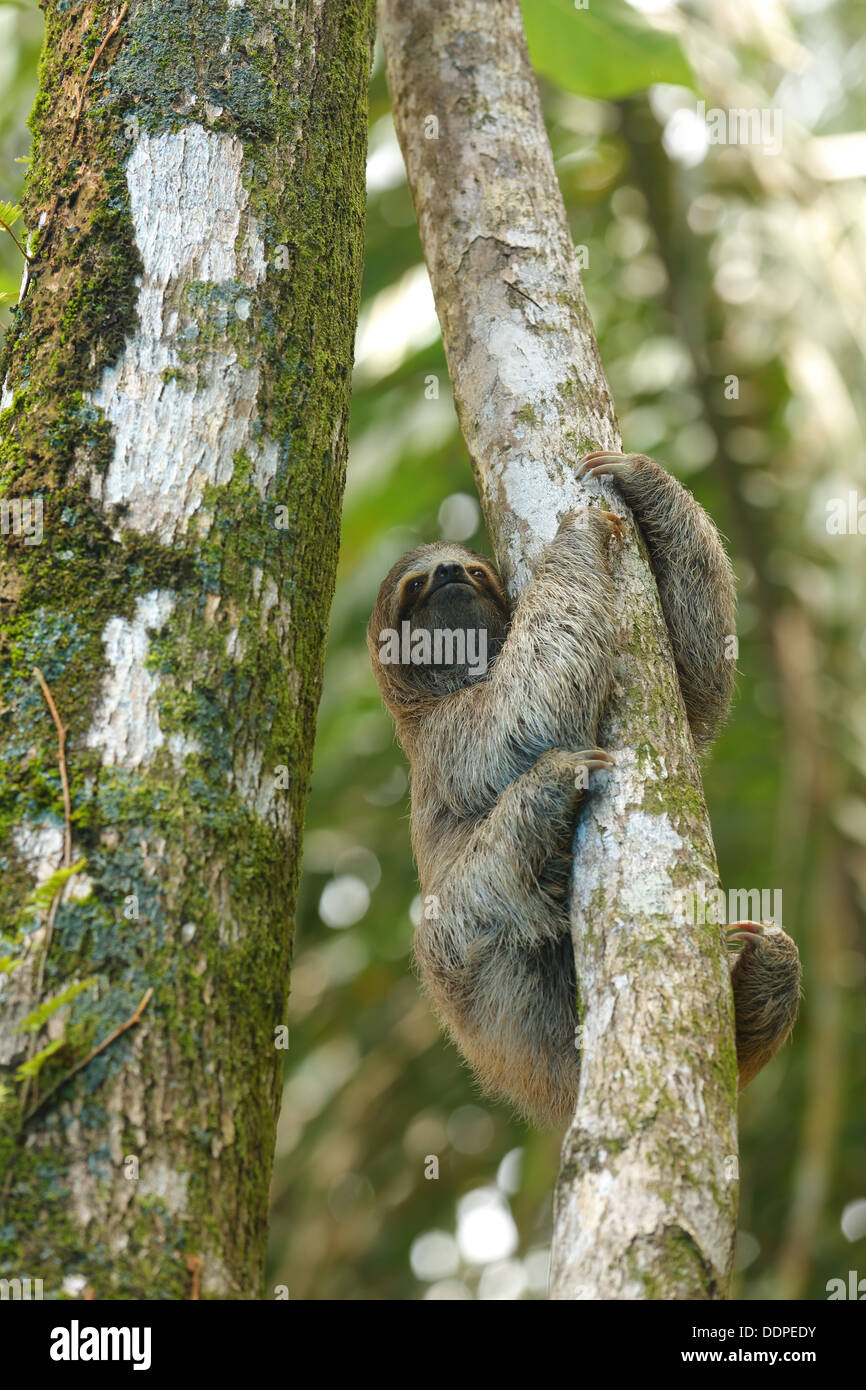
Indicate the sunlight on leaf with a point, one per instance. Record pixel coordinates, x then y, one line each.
605 51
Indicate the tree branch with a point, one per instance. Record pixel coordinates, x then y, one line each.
134 1018
646 1201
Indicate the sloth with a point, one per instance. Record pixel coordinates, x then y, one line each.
498 713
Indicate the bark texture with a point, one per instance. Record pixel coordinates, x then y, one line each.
646 1201
175 397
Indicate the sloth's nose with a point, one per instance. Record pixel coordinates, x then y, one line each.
446 574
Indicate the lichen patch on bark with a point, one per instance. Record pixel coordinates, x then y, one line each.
182 396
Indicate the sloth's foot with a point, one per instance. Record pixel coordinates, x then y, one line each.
766 978
573 766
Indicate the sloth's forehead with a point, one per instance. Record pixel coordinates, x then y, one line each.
422 561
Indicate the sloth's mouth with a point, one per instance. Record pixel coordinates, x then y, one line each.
450 584
448 587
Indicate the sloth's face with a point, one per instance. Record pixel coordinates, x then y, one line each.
454 585
447 614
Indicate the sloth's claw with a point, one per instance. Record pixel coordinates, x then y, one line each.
597 464
595 757
748 931
616 523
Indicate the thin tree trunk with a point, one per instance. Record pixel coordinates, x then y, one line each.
646 1201
175 399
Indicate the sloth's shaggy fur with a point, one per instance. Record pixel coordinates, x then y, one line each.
499 763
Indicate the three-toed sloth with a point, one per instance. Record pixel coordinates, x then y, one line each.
500 730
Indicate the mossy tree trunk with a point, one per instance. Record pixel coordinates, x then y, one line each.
646 1201
175 404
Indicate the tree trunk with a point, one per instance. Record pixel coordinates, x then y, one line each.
646 1200
175 412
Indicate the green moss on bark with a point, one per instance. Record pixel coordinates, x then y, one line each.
191 886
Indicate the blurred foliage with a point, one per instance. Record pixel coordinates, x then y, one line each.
21 30
727 284
612 54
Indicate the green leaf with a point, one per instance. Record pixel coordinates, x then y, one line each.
34 1064
40 1015
607 50
9 213
10 963
43 896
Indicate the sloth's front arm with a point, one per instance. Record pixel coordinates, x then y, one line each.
549 683
694 578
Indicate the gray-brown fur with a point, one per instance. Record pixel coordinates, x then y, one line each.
694 581
766 980
499 768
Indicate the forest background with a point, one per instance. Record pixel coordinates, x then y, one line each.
727 285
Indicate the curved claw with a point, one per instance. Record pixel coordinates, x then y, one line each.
597 464
595 757
749 931
742 938
616 524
